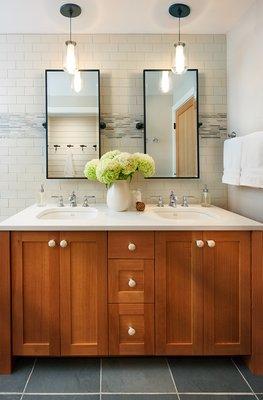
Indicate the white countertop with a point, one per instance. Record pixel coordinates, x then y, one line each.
212 218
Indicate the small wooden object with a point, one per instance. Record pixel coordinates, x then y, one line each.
140 206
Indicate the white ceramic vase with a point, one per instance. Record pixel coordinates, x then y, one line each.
119 196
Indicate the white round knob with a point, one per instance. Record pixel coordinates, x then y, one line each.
131 331
63 243
132 282
52 243
200 243
211 243
131 246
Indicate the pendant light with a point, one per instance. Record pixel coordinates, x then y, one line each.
179 11
70 63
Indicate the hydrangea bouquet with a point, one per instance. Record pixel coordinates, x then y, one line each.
116 166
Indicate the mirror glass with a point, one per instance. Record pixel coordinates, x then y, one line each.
73 115
171 122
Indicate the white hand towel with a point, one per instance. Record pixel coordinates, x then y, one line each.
252 160
232 161
69 170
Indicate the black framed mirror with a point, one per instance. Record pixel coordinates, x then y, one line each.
72 122
171 122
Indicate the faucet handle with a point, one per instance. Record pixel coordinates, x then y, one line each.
160 200
60 200
185 200
86 200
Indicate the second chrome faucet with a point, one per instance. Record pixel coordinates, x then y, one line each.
173 200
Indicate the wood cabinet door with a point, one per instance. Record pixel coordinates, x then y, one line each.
83 293
130 281
35 293
131 328
179 293
227 298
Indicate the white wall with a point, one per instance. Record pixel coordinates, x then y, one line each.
121 59
245 97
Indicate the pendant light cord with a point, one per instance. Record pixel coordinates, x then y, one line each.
179 29
180 14
70 18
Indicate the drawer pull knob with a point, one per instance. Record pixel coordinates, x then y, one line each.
131 246
132 282
200 243
52 243
211 243
131 331
63 243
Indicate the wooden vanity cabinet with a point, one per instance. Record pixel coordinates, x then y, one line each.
35 293
83 294
202 293
59 291
131 293
179 293
227 293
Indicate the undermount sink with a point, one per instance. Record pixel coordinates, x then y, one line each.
69 214
183 214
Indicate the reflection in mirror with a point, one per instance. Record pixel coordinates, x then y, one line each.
171 122
72 122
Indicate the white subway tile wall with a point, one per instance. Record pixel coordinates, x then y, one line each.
121 59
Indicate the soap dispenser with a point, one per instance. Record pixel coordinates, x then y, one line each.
41 198
205 198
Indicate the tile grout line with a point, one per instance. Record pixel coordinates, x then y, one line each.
171 375
250 387
28 379
100 377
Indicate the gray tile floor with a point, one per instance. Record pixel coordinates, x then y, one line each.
185 378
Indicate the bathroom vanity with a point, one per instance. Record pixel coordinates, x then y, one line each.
163 282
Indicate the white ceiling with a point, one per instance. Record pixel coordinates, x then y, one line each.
120 16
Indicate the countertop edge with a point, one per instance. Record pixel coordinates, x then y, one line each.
129 228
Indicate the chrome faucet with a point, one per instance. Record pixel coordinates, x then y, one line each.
185 202
60 200
73 200
86 200
173 199
160 200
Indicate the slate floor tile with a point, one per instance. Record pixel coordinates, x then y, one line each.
65 375
141 375
10 396
255 381
139 397
216 397
16 381
61 397
210 374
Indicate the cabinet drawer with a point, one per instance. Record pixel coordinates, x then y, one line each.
131 245
131 329
131 281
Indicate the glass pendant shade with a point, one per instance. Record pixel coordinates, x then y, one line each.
165 82
70 62
179 63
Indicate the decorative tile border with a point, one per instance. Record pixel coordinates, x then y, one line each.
213 125
117 125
